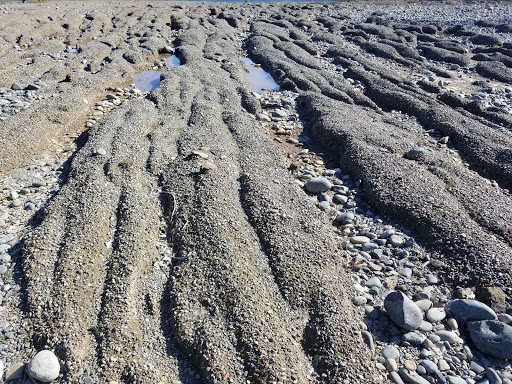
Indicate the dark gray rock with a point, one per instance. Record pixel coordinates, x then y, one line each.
472 310
492 337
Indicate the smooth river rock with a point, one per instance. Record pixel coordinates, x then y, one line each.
472 310
44 366
318 185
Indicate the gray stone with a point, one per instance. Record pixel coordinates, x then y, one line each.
3 269
359 239
391 365
340 199
492 337
167 49
443 365
493 376
424 304
395 240
426 326
345 217
390 352
318 185
387 233
406 272
429 365
44 366
412 378
418 152
431 279
448 336
374 282
452 323
472 310
402 311
395 378
414 338
505 318
263 117
435 315
359 300
368 340
455 380
14 371
475 367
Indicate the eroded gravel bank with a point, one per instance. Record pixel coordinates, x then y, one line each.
181 243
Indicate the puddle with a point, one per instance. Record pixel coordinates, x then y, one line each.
147 80
258 79
74 49
173 61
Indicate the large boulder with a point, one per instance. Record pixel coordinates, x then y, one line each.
492 337
403 311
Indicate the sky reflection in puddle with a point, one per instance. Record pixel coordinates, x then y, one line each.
258 79
149 80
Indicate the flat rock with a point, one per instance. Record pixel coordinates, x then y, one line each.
492 337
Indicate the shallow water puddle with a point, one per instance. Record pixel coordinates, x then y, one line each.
149 80
173 61
258 79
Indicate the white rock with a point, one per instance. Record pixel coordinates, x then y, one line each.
44 366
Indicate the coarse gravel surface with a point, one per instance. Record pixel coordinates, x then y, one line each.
353 226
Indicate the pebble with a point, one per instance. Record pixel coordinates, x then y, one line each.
395 240
359 300
455 380
100 152
368 340
424 304
391 365
431 280
410 365
390 352
44 366
443 365
448 336
374 282
414 338
263 117
359 239
436 315
452 323
346 217
412 378
505 318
